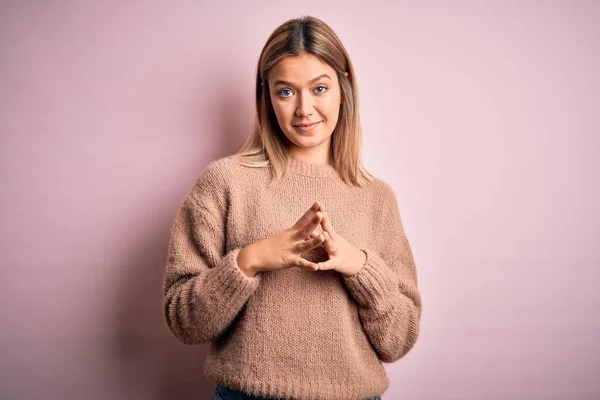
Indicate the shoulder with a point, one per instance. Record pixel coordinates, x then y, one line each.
223 169
217 177
382 191
220 172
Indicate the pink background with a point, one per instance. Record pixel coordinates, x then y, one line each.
482 115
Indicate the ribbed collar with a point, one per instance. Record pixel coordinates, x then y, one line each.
310 169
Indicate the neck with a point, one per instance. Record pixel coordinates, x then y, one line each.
316 156
309 168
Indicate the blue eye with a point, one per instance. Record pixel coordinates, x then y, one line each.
283 90
280 93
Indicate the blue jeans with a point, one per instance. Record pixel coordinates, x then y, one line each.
225 393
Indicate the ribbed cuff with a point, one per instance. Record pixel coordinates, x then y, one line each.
228 280
374 283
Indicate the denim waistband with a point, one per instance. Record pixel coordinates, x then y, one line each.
227 393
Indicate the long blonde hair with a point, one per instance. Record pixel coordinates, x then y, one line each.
265 145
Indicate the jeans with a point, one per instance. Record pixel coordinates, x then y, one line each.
225 393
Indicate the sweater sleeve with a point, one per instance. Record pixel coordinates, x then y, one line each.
204 288
386 288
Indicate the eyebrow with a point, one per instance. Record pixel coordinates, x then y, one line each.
282 82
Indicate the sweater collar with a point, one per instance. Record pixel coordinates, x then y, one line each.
310 169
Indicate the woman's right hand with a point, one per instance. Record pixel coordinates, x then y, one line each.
284 249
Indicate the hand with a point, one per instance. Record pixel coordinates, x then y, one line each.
284 249
343 256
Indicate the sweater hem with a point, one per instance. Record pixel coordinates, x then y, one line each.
288 390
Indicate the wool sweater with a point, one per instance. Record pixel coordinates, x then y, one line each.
293 333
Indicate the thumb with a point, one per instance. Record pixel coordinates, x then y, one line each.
327 226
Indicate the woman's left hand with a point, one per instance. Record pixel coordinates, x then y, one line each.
343 256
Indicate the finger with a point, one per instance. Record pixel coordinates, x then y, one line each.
304 263
327 226
308 215
309 244
328 242
307 229
312 235
325 265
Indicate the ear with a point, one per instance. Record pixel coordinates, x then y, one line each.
345 73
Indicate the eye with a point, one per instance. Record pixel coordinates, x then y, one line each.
281 93
283 90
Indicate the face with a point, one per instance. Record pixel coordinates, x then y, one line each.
305 91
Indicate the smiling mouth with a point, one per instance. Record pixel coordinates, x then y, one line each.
306 125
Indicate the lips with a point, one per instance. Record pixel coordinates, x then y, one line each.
306 125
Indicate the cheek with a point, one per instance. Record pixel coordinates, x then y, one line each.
282 111
332 107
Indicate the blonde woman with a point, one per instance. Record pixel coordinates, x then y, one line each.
288 257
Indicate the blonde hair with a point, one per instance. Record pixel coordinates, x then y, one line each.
265 145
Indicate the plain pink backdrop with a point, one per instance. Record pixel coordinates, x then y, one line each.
483 116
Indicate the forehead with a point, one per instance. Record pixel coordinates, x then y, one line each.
300 69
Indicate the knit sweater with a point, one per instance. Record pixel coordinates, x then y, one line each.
291 333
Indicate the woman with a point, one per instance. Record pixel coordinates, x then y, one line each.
288 257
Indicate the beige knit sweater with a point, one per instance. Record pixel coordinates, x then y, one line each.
292 333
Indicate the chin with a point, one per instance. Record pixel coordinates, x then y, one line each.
309 141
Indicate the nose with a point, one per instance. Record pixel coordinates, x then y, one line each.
305 106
